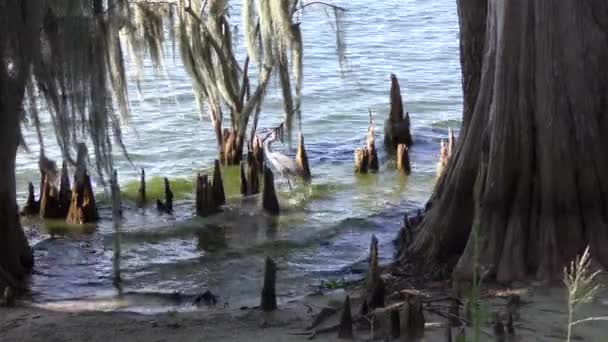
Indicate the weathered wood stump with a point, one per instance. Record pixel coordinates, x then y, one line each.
49 199
345 329
270 203
375 288
372 154
269 296
205 200
396 127
302 161
82 205
167 205
250 183
361 160
258 153
412 321
395 324
32 207
141 192
451 142
443 159
403 159
65 192
219 197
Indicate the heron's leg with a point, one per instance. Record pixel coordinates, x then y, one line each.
289 184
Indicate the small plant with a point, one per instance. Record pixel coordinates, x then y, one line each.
582 287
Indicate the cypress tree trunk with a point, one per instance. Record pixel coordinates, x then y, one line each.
15 254
529 167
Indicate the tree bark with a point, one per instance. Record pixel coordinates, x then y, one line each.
15 254
532 140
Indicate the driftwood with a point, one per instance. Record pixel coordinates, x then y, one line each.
345 330
269 298
141 192
375 288
396 127
403 159
270 203
205 205
412 322
167 205
32 207
219 197
361 160
302 167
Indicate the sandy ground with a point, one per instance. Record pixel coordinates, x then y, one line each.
542 317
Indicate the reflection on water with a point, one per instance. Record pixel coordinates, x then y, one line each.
324 229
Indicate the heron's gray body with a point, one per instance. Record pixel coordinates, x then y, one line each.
280 162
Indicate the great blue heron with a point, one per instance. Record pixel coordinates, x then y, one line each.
280 162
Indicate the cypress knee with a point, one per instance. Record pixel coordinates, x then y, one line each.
253 170
270 202
65 193
258 153
82 206
395 324
372 154
219 197
49 199
412 322
204 197
396 127
168 196
32 207
361 160
269 296
403 159
448 332
374 284
244 178
345 330
141 192
302 160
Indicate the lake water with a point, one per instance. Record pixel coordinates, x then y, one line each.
325 228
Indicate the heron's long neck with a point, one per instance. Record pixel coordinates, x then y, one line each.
268 146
